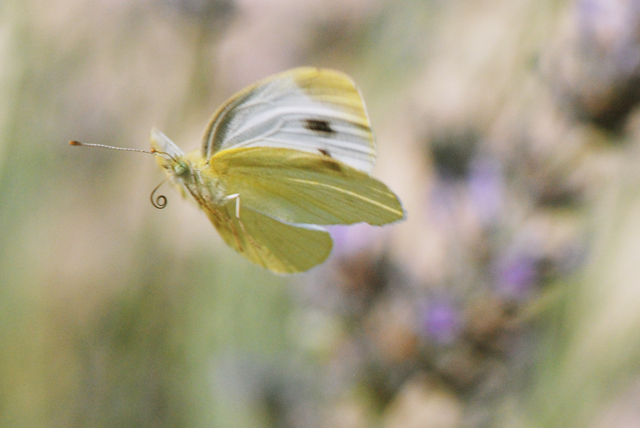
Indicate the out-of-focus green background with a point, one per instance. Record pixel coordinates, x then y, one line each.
510 297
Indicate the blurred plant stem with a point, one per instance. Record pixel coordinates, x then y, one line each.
589 343
22 395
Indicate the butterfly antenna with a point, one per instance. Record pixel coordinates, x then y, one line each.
151 152
160 201
78 143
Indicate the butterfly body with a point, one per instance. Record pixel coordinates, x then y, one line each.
280 159
192 174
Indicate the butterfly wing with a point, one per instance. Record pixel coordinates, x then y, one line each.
306 109
162 144
303 188
289 152
279 247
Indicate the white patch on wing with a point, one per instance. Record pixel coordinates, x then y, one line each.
277 113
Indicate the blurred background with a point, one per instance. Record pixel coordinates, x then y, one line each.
510 297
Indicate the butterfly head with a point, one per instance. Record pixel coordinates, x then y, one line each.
180 168
170 158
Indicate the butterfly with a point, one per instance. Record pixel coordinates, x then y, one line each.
280 159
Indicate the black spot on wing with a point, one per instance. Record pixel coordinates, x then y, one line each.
319 126
327 162
325 152
332 165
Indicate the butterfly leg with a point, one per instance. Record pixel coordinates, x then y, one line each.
236 196
219 216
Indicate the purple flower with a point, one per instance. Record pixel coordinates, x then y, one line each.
516 275
351 240
442 200
486 189
441 321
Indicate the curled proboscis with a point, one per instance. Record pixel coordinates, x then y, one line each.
159 201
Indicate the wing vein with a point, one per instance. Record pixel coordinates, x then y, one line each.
346 192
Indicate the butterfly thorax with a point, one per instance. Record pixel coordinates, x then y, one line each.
191 173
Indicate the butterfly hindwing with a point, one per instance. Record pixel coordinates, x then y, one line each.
277 246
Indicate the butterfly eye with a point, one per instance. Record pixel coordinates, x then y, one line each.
180 168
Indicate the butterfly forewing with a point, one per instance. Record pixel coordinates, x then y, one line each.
306 109
299 187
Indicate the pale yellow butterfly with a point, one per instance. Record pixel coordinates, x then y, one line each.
278 159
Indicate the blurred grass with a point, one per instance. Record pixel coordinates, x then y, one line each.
591 351
97 331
